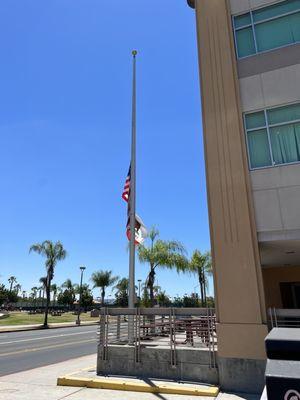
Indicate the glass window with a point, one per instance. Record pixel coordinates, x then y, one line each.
283 114
267 28
295 26
275 33
245 42
242 20
275 140
276 10
285 141
255 120
259 150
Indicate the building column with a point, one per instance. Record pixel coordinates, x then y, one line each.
238 280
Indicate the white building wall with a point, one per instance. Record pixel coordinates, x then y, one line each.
276 190
240 6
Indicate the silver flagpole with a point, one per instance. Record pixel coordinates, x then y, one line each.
131 297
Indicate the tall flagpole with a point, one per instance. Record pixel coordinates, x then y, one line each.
131 296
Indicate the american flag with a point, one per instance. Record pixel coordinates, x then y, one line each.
126 190
140 229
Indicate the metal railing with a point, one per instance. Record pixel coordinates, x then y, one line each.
284 318
174 328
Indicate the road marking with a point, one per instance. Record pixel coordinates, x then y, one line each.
47 337
46 347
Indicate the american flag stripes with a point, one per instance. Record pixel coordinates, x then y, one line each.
126 190
140 229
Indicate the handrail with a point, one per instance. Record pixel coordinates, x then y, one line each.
177 311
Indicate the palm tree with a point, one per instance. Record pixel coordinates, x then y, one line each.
17 288
12 279
69 285
70 288
201 265
53 252
122 285
161 254
33 294
103 279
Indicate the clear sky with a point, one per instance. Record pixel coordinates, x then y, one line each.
65 121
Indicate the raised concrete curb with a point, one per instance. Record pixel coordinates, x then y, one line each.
132 385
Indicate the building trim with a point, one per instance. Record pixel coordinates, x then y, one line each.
268 61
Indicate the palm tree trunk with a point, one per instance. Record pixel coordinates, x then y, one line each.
204 289
151 286
201 288
102 297
48 284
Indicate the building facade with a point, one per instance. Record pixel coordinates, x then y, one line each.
249 62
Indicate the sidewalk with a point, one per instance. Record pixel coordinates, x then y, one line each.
16 328
41 384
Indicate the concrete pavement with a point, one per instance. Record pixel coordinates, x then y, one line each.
40 384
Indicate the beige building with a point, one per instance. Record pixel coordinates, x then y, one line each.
249 61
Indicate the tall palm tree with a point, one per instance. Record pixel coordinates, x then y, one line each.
12 279
53 252
161 254
201 265
34 291
17 288
103 279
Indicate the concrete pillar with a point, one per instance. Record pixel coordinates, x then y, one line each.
237 271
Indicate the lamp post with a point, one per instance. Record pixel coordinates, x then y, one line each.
80 295
139 281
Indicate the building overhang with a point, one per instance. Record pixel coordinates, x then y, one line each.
191 3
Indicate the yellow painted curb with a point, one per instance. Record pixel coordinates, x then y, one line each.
107 383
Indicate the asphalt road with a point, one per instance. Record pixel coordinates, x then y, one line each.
20 351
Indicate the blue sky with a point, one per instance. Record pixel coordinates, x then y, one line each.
65 120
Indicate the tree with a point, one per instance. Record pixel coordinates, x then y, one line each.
68 296
17 288
53 252
103 279
163 299
86 296
161 254
12 279
3 294
122 292
201 265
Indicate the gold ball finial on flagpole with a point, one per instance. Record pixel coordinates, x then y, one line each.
134 53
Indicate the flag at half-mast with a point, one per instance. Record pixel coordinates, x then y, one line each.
140 229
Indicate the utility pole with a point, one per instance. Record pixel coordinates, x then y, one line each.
82 268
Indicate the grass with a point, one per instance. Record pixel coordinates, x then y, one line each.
23 318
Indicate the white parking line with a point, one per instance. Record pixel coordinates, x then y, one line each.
47 337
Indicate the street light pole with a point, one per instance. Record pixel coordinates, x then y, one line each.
80 295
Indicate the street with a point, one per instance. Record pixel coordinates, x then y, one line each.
20 351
